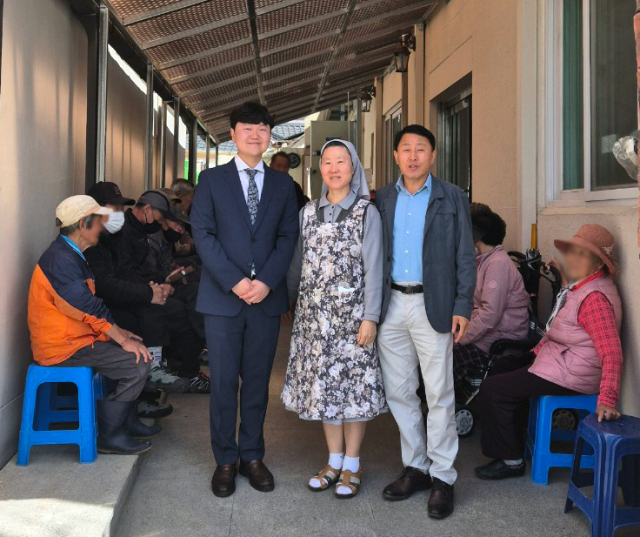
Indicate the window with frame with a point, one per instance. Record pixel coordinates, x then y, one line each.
598 93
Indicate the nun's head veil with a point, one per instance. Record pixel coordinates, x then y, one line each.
358 179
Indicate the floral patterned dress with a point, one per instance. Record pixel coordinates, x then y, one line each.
329 375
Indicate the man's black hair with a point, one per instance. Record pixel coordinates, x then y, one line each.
414 129
283 155
488 226
252 113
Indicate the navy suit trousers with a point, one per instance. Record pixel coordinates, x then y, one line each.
240 347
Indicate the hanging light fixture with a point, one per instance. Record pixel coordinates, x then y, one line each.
366 97
402 52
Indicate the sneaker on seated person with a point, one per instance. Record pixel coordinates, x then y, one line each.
201 383
163 379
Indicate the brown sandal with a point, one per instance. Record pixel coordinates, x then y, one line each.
350 480
327 476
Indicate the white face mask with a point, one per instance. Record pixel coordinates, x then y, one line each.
115 222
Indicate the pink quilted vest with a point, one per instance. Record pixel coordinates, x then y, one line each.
569 358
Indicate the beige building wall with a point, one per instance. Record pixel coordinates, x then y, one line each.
471 42
476 41
42 120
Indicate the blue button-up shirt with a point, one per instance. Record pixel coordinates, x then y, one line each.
408 232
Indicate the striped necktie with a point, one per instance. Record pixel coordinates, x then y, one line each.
252 194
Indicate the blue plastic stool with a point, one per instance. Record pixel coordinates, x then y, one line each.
540 435
611 441
44 406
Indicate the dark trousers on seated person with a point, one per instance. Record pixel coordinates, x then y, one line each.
242 346
467 358
504 407
166 326
112 361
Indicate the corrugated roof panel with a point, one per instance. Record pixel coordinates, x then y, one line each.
186 19
241 85
298 51
201 42
127 8
304 66
219 76
287 38
388 6
218 59
297 13
207 50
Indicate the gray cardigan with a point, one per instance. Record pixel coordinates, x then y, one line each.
371 254
448 255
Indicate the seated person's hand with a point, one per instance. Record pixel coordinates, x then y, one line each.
168 288
160 294
459 326
131 335
257 293
606 413
134 346
242 287
367 333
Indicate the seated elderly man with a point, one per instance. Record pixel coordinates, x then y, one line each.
500 301
139 261
70 326
580 353
182 191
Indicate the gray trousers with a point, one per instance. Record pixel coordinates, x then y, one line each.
111 360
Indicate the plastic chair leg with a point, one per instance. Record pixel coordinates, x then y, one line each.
43 406
26 428
628 480
87 422
541 447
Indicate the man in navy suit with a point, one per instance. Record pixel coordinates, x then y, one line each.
245 224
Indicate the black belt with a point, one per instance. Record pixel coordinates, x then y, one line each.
407 289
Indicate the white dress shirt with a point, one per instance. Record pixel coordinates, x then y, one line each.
244 178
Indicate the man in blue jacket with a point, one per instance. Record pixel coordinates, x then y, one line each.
429 279
245 225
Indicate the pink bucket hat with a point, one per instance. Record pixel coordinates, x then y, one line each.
597 240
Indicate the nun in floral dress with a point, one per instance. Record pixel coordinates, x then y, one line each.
336 275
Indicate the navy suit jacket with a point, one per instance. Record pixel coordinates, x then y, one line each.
228 244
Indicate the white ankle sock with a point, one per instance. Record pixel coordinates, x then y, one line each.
513 462
335 461
351 464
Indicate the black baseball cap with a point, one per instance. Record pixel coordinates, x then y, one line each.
107 193
158 200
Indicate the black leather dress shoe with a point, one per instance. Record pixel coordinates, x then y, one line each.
440 503
499 469
223 483
260 478
411 480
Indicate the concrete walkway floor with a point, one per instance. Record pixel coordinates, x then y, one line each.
172 495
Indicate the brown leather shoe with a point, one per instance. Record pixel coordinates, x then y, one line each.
441 500
260 478
411 480
223 482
